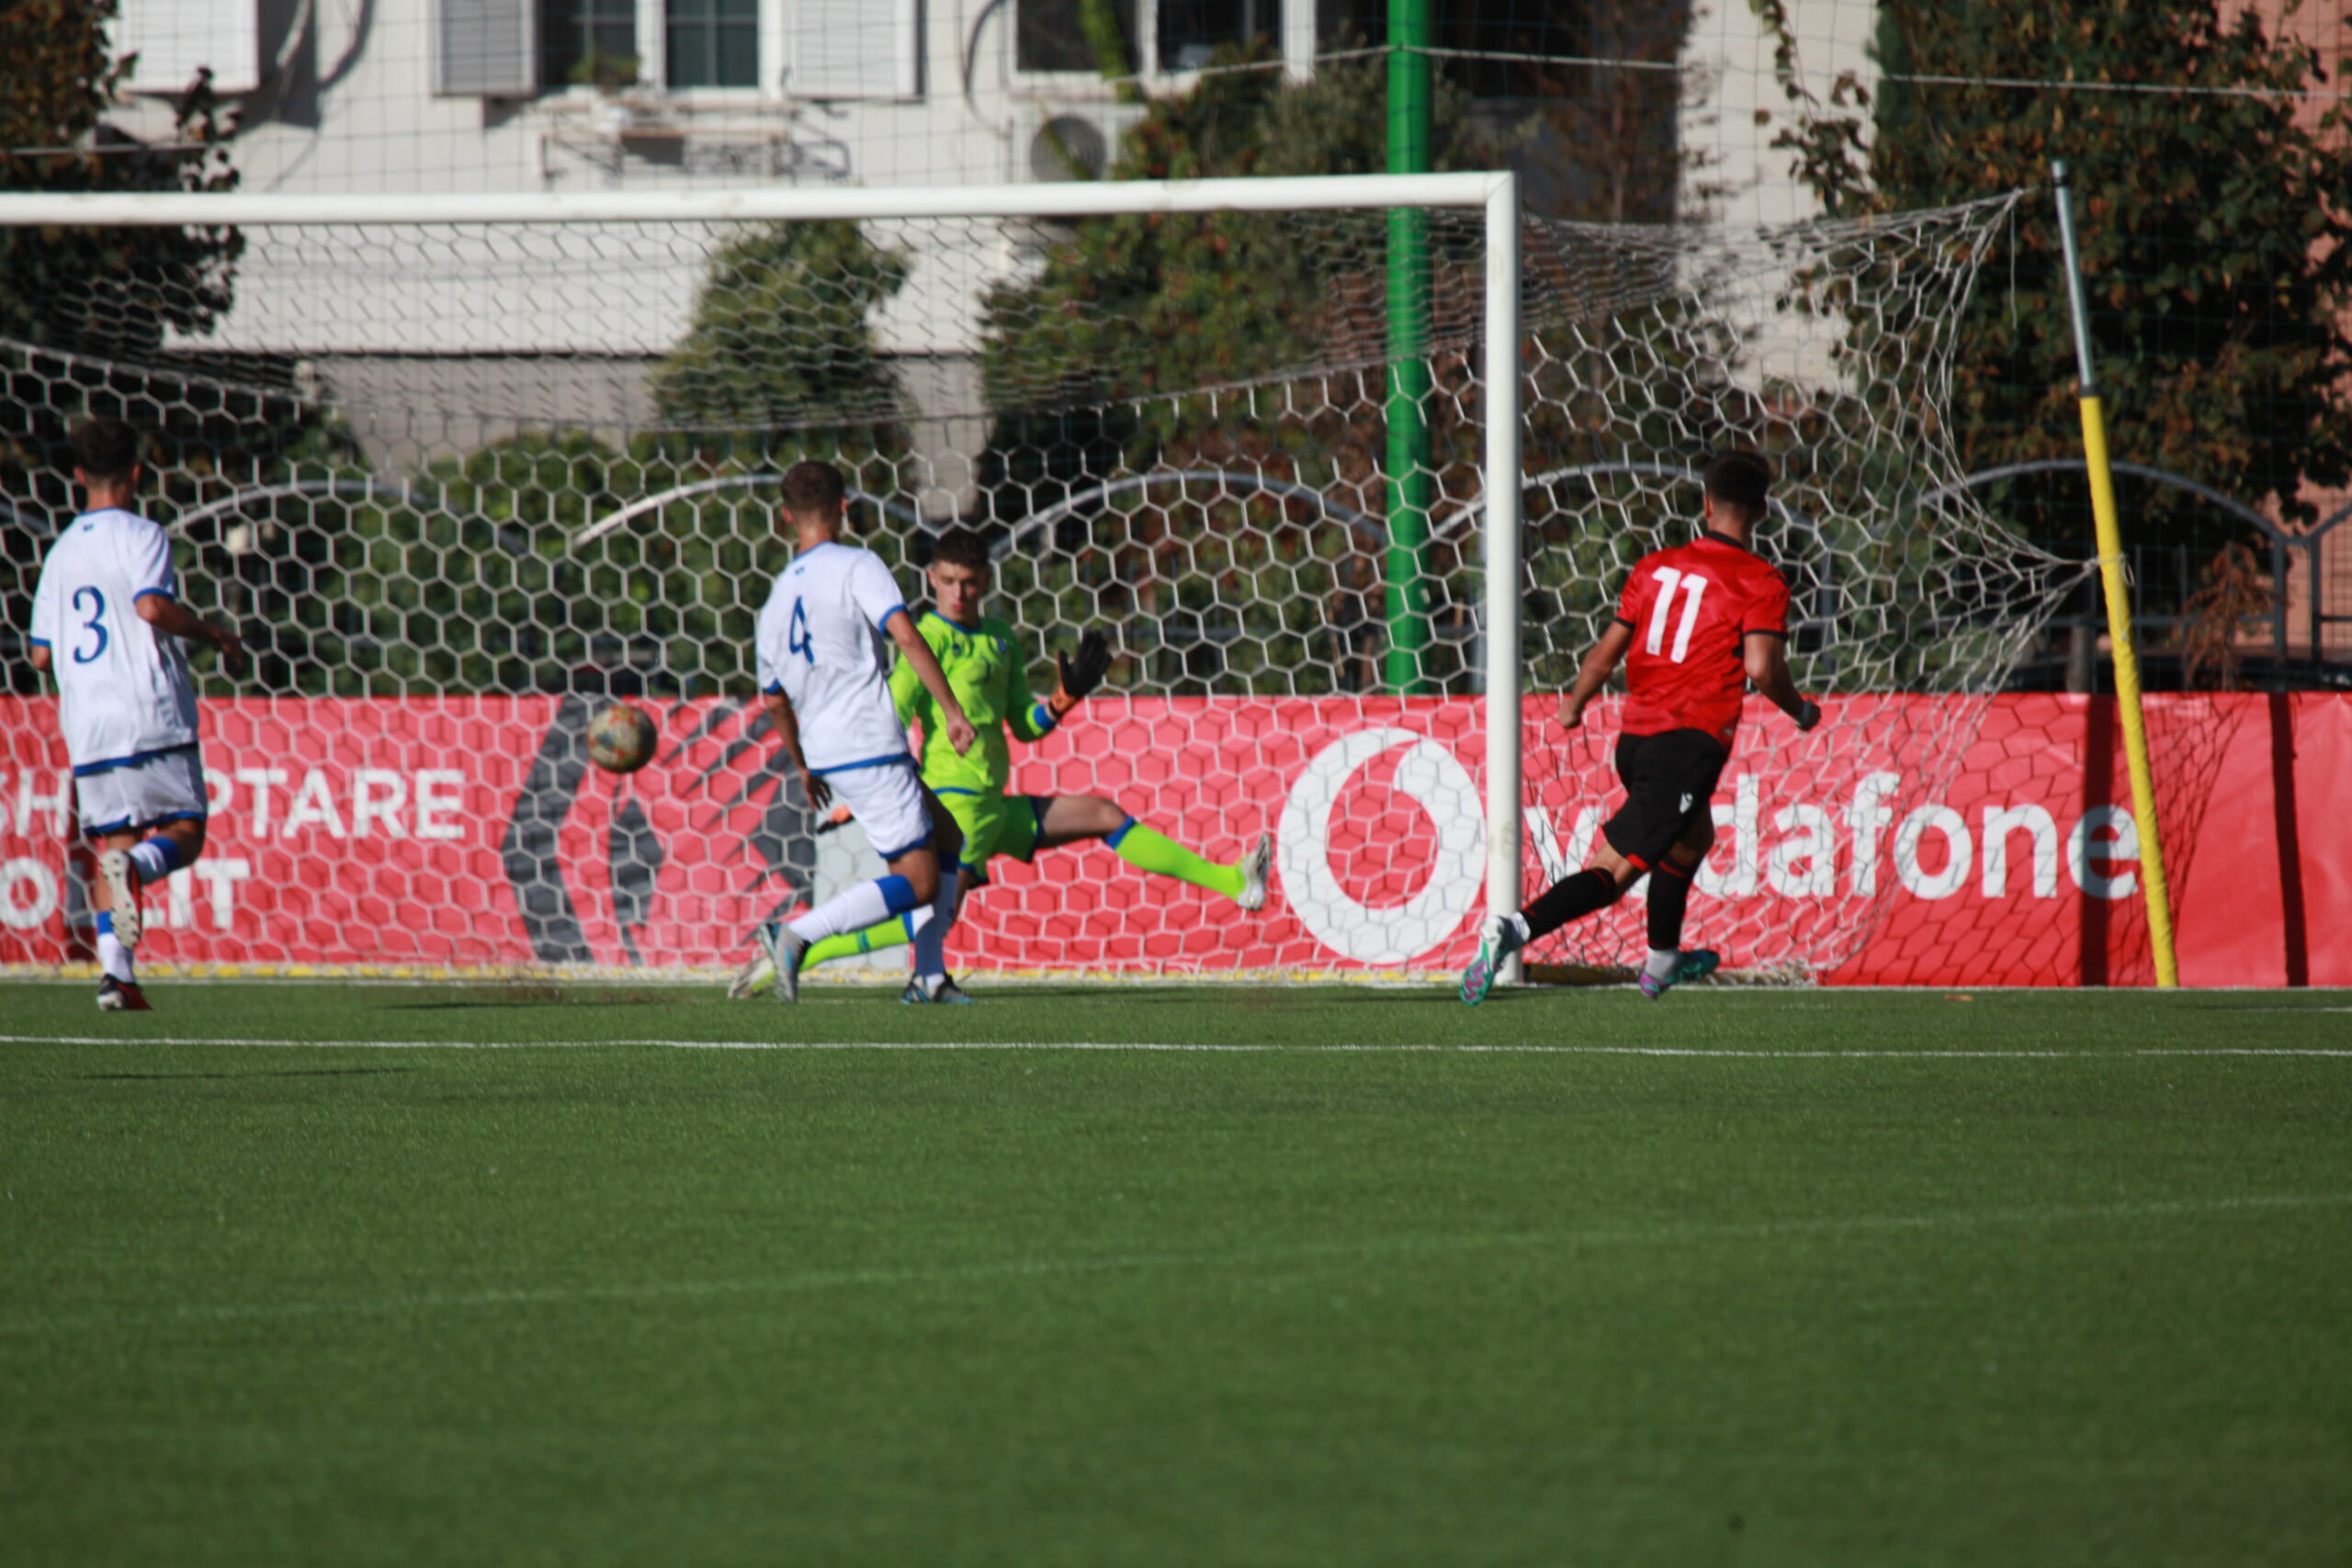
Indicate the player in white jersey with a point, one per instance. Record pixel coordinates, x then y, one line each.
107 622
825 668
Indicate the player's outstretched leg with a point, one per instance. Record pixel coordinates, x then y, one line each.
785 944
760 972
1072 818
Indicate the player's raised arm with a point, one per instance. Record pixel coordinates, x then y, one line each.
960 733
1766 654
1594 672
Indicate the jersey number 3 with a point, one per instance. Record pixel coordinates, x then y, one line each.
1692 585
97 623
796 635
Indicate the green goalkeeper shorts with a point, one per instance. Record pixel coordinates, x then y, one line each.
993 825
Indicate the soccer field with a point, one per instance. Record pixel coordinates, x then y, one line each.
1157 1274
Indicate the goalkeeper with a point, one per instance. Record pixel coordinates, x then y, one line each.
987 669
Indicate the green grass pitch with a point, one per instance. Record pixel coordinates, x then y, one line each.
311 1273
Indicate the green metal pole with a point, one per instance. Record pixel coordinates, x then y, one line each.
1409 335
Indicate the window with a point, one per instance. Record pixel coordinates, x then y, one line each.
713 43
1192 31
854 48
482 49
592 42
1050 35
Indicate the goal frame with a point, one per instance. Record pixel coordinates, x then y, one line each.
1495 193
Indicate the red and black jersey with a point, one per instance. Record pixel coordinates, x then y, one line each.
1691 610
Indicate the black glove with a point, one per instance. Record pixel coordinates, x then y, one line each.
1082 672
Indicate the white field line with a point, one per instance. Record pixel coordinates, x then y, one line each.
1305 1253
1702 1052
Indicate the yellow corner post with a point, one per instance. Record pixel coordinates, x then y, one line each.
2118 611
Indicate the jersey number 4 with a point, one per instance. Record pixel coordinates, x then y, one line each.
796 635
1692 585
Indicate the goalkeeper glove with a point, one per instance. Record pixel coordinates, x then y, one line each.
1082 672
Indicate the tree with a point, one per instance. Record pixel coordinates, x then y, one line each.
2214 226
106 297
102 291
782 336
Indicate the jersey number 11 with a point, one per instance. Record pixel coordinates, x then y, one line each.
1692 585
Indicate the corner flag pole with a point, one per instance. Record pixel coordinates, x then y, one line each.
2119 606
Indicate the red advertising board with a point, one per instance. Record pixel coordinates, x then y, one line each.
1919 840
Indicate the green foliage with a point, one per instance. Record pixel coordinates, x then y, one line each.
782 335
479 575
107 297
1105 39
2213 221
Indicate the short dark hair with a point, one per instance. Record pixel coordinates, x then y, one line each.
106 449
961 546
1739 479
812 488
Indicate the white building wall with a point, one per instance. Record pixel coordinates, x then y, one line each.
348 104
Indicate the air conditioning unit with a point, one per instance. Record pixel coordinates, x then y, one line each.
1069 147
176 39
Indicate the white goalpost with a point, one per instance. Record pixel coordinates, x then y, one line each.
476 465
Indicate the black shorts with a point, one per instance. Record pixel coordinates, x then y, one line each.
1669 783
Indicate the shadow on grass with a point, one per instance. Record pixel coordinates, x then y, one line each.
509 1001
282 1073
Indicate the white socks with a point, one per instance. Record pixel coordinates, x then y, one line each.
113 958
930 934
855 908
1664 964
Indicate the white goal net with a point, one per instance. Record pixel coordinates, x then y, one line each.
464 475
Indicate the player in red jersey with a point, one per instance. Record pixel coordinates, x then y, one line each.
1695 625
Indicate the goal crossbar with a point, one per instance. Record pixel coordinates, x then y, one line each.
1493 192
1075 199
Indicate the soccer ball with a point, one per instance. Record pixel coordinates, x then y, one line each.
621 738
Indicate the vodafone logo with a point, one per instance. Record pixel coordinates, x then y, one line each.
1395 934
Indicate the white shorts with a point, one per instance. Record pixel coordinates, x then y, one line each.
886 799
167 786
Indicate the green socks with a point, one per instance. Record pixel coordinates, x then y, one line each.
1141 847
892 932
1147 849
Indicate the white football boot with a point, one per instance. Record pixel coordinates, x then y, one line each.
121 884
1255 870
